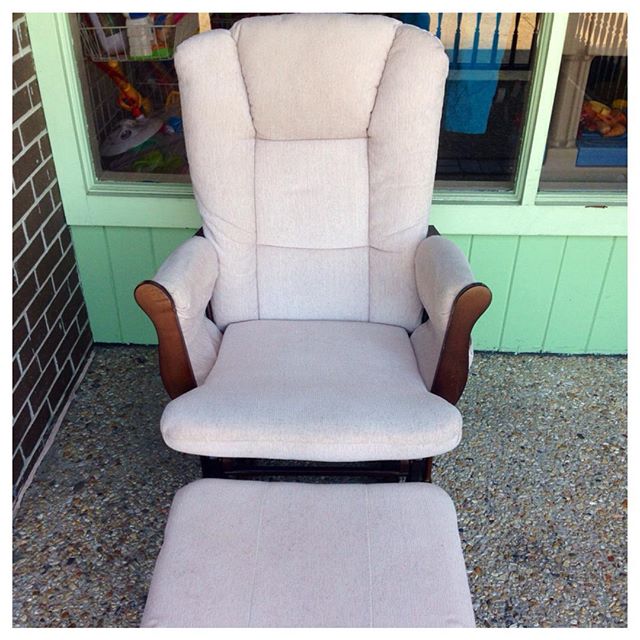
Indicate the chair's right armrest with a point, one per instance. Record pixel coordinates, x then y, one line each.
176 301
453 301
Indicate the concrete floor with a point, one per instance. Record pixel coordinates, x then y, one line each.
539 482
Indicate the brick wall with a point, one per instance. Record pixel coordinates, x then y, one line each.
51 334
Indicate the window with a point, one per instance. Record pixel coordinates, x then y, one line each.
587 142
491 61
131 93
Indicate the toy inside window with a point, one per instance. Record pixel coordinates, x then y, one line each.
587 143
131 93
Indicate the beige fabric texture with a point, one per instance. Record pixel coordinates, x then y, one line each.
313 390
189 275
442 272
312 139
259 554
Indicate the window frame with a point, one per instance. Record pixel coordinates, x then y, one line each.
522 210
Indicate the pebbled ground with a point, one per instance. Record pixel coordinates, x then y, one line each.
539 482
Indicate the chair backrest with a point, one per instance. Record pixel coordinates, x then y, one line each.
312 142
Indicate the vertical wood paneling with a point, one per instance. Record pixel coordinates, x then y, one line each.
463 242
534 281
577 292
92 256
609 331
131 261
492 261
553 294
164 241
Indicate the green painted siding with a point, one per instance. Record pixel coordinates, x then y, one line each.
550 293
609 330
492 261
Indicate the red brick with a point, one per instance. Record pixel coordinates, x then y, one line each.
65 347
21 103
70 312
37 217
45 147
26 164
46 348
25 384
23 34
45 267
42 387
58 302
33 126
23 296
40 303
34 92
34 436
17 141
19 240
29 257
60 387
44 177
21 423
81 347
23 69
22 201
64 268
20 334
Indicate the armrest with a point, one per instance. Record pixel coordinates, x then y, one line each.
176 301
453 301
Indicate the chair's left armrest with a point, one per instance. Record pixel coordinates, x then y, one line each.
176 301
453 301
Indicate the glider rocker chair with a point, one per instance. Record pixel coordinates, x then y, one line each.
313 318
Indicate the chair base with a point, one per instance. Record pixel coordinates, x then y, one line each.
380 470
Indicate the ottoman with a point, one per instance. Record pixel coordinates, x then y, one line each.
241 553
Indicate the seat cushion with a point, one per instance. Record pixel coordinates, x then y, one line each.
238 553
313 390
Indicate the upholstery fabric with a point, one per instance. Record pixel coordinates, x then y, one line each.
189 275
442 272
323 72
313 390
312 139
259 554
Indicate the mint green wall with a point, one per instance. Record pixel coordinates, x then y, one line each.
550 293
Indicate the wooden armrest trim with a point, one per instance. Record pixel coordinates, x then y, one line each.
175 365
453 364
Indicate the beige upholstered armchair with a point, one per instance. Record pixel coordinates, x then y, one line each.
314 318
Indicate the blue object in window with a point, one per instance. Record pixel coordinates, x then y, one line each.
422 20
470 91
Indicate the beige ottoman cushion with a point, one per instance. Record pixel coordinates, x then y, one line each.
259 554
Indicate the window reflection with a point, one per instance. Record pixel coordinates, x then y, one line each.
587 143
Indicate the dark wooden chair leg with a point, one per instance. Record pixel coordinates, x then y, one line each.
211 467
428 469
417 470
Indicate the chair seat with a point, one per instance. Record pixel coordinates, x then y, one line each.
330 391
238 553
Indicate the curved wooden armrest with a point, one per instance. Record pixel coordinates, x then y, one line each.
453 365
175 366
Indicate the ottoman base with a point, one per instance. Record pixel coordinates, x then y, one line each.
241 553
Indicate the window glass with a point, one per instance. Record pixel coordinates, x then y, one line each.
587 142
490 66
491 58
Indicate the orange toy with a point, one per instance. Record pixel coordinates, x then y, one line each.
597 116
129 98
